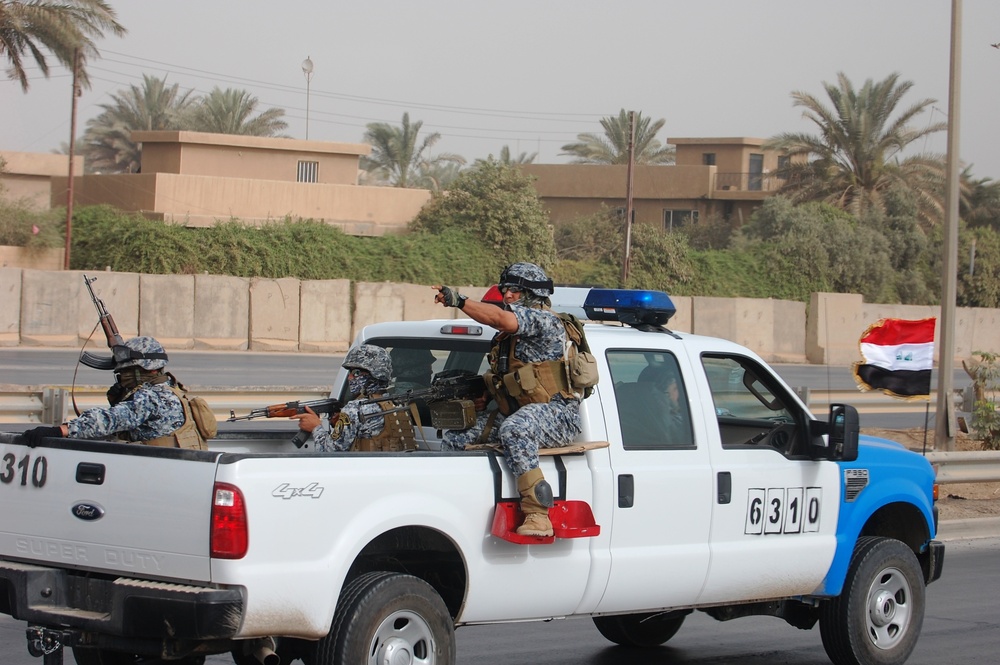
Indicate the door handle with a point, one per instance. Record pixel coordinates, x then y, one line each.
724 487
626 490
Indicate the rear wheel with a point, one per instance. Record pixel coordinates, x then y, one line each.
640 630
876 620
385 617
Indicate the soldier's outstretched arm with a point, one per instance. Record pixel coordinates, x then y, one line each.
485 313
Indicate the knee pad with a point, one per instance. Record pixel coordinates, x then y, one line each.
543 493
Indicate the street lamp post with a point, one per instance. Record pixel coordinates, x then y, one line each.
307 69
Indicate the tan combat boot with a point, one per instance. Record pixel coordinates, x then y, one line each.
536 513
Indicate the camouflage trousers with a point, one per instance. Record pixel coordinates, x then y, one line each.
522 433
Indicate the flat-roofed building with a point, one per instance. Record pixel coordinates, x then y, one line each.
197 179
723 177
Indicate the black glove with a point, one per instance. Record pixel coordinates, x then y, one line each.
115 393
33 437
451 298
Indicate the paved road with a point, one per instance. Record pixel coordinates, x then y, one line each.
961 625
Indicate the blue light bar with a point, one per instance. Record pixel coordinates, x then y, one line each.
629 306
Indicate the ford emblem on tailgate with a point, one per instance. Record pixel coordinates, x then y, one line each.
87 511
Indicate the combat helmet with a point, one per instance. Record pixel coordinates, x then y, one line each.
373 359
144 352
527 277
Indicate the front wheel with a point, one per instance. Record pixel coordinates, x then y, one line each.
385 617
640 630
876 620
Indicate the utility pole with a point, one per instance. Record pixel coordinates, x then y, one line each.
628 198
944 427
72 142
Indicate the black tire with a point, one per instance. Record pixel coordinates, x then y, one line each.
640 630
90 656
382 612
876 620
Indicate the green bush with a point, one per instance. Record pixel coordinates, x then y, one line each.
22 225
985 418
105 237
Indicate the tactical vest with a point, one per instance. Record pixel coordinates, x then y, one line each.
396 435
524 383
185 436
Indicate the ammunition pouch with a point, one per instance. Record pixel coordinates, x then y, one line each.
529 383
396 435
199 425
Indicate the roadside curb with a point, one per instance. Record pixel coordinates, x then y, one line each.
975 527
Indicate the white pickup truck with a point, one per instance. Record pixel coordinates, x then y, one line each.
735 501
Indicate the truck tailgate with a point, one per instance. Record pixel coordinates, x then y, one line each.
111 507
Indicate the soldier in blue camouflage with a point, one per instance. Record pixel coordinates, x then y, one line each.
527 379
144 408
362 425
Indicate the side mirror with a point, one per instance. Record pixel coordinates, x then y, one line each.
842 429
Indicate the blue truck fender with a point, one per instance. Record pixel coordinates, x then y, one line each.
885 476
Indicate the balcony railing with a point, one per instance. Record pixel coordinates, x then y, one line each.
748 182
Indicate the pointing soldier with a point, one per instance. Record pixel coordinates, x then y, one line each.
527 378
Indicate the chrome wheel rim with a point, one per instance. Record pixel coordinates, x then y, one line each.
889 610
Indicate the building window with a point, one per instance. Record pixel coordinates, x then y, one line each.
708 158
784 161
307 172
756 178
619 213
674 219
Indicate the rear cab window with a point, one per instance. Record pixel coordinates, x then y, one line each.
652 402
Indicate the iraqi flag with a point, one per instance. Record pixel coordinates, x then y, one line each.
898 356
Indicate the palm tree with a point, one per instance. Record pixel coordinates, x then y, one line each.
508 159
58 26
154 106
523 158
396 158
982 207
612 148
856 158
231 111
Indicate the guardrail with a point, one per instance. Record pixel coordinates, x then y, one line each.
54 404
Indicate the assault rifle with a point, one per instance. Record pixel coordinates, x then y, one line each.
289 409
449 399
115 342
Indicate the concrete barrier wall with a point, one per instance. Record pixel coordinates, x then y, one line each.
214 312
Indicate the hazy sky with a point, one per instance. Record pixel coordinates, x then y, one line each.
532 74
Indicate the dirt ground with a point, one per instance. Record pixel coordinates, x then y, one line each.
956 501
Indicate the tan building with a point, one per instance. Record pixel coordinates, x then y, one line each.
196 179
27 176
713 177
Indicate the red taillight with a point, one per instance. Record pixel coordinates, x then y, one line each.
229 523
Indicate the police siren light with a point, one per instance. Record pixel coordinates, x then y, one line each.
629 306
